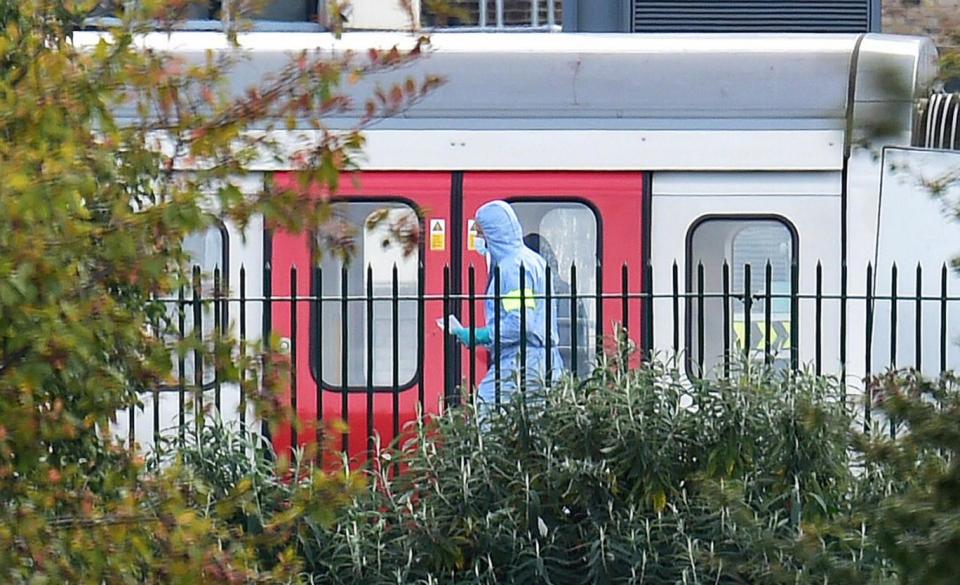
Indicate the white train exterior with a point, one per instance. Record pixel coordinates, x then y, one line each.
774 128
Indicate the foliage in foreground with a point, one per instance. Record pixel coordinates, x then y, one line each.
93 215
918 525
636 477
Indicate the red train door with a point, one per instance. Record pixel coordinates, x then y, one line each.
589 221
357 360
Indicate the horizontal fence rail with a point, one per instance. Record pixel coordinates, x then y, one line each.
374 356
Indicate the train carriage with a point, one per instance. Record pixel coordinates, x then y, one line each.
751 156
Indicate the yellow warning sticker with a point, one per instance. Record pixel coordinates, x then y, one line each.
471 235
438 234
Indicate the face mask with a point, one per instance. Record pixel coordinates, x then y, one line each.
480 245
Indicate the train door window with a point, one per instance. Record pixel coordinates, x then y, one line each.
547 228
741 242
370 227
208 251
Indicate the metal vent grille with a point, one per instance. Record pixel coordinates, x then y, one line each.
938 122
836 16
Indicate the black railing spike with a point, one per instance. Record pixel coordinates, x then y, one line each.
217 334
675 294
448 380
794 315
868 350
943 317
496 336
918 323
267 325
344 358
767 313
725 282
294 435
243 347
318 351
198 353
747 310
523 328
371 366
598 285
472 313
421 326
624 300
893 335
395 353
181 364
574 337
893 315
548 325
843 329
647 312
818 320
155 328
700 320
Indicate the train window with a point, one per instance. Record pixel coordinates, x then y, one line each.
547 225
374 249
208 251
300 11
741 242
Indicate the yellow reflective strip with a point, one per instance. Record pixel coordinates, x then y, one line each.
779 334
511 300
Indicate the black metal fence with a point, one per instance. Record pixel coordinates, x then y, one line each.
376 360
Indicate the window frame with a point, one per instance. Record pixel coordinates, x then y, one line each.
689 276
309 23
221 227
174 303
595 344
417 377
549 198
225 253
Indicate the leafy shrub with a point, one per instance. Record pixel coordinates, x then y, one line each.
278 508
630 477
917 523
93 215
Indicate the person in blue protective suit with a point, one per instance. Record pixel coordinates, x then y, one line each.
500 237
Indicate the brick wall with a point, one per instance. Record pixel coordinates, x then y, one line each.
938 19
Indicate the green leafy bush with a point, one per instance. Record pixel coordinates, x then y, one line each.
278 508
93 216
917 523
629 477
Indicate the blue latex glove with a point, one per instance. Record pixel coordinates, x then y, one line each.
482 335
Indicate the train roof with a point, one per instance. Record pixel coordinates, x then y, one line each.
599 81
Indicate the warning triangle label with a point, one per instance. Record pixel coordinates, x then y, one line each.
438 234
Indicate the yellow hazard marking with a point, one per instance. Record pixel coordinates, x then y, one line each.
471 235
438 234
511 301
779 335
